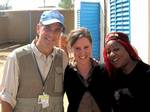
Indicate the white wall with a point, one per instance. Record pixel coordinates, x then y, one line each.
149 32
140 27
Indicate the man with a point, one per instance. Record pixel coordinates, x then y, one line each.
33 74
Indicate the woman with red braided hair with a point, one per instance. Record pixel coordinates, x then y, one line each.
129 74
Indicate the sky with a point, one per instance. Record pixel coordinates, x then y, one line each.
30 4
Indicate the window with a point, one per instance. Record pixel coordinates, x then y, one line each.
120 16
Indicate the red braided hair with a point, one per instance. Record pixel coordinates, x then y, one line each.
124 41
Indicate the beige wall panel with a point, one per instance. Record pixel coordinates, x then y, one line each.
3 29
21 25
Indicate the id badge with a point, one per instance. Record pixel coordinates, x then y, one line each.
44 100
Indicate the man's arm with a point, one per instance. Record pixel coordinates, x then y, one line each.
6 107
9 84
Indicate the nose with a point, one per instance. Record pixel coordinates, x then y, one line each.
112 54
82 51
53 34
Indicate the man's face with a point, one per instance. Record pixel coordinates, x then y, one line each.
48 34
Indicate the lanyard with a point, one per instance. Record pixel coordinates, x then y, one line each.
36 64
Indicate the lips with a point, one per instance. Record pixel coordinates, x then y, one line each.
47 38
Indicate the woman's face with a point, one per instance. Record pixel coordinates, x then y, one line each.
117 54
82 50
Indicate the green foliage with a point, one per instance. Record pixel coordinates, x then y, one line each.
66 4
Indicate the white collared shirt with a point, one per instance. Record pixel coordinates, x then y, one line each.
9 84
43 62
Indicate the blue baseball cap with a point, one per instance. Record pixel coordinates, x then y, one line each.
51 16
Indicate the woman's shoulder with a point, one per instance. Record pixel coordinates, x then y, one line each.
143 66
70 68
100 70
100 67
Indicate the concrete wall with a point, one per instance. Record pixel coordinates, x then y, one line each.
3 29
20 26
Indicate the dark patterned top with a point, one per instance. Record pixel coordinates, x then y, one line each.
97 86
132 91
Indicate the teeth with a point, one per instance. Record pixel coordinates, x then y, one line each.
114 60
83 57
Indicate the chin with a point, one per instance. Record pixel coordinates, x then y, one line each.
117 66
